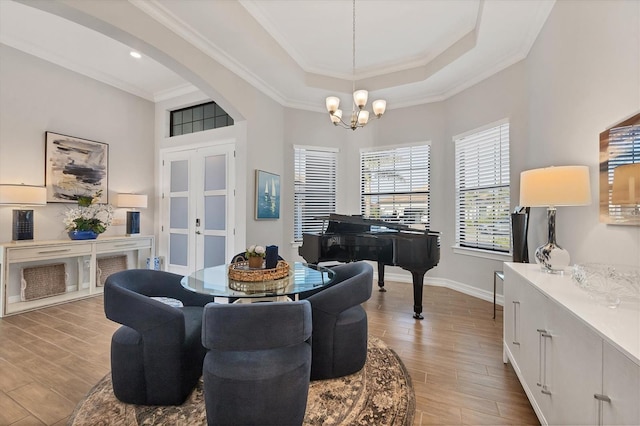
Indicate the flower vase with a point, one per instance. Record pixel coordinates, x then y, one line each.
255 262
82 235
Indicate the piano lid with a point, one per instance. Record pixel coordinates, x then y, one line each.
359 220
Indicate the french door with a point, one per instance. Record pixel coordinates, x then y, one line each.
197 207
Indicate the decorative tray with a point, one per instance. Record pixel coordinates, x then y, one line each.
610 284
240 271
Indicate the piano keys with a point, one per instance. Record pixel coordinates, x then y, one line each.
352 238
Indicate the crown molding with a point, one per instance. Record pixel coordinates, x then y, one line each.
158 12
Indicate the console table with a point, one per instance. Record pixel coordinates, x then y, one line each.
63 270
577 359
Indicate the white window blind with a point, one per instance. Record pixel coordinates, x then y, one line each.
394 184
315 188
482 189
624 148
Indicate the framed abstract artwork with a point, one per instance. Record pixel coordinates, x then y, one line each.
75 167
267 195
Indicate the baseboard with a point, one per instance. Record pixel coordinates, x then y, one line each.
445 282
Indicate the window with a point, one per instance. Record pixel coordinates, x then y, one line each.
198 118
315 188
394 184
482 189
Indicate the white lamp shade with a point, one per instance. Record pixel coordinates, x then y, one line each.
360 98
23 195
332 103
135 201
555 186
626 185
363 117
379 107
336 116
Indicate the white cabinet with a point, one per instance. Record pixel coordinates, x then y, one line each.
621 385
578 360
61 270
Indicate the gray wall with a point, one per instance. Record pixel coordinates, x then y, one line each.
37 96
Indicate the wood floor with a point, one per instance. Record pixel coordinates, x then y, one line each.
50 358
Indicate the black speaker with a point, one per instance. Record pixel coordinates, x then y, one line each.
22 225
519 230
133 223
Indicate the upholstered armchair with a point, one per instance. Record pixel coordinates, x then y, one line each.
156 356
339 341
256 371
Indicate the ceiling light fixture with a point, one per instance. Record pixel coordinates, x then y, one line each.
359 115
135 54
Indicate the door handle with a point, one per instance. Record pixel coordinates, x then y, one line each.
601 398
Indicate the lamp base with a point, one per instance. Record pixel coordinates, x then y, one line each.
133 223
552 258
22 225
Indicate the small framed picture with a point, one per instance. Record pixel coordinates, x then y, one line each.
267 195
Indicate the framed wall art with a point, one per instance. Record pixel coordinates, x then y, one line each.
267 195
620 173
75 167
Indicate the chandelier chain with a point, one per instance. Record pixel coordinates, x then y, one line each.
359 115
353 65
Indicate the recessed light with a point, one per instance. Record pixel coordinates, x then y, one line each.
135 54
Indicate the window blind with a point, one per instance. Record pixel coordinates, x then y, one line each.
394 184
624 148
315 188
482 190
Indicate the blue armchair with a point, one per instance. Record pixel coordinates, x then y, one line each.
256 371
340 327
156 356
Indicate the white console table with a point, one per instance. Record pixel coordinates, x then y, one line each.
578 360
80 259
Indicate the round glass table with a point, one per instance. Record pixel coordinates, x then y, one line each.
302 277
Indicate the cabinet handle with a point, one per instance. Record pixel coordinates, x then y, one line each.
54 251
601 398
515 323
542 360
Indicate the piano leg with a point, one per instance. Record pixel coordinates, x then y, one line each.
418 281
381 276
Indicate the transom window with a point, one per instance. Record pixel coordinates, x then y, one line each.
482 189
394 184
315 188
198 118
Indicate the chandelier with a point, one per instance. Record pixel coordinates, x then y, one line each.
359 115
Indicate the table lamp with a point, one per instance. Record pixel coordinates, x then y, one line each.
22 195
552 187
132 201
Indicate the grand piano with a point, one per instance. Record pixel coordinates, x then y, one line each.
352 238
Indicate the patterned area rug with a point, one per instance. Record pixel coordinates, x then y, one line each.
380 394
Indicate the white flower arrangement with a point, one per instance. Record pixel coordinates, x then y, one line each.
255 251
89 215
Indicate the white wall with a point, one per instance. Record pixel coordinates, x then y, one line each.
37 96
583 76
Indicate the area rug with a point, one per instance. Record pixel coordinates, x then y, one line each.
379 394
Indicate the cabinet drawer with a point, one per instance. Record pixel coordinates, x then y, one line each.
48 252
122 245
